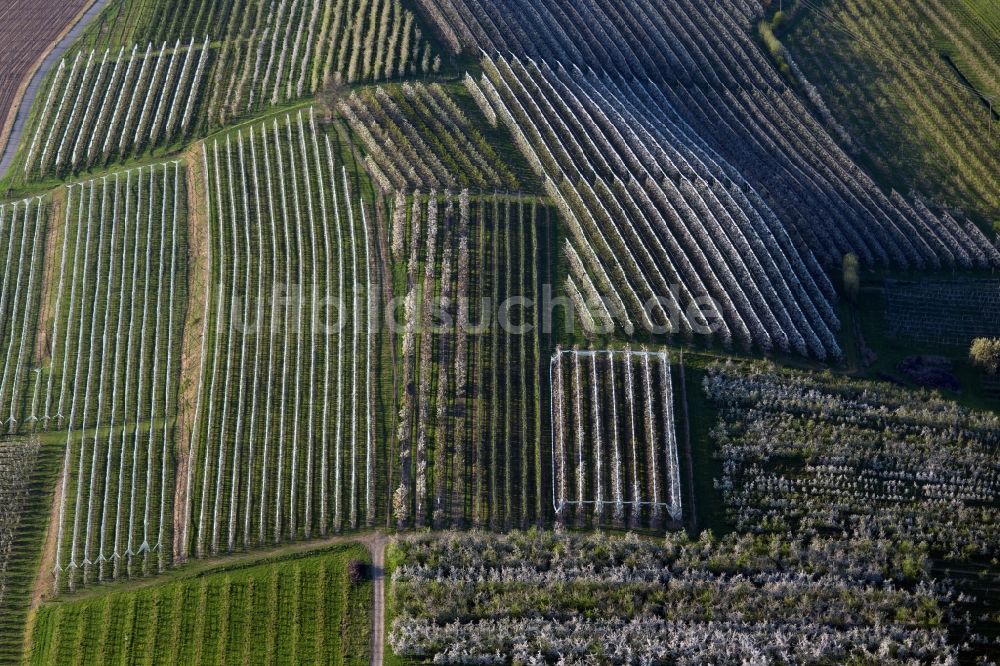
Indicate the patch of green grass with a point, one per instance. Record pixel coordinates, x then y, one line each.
293 610
705 467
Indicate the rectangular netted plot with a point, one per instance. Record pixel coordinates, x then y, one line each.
945 312
614 448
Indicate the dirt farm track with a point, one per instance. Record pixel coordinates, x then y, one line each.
28 29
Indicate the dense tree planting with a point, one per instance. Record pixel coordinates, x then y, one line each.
936 130
822 455
541 597
943 311
17 460
27 476
276 52
654 226
681 159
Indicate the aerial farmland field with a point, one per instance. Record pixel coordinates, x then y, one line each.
500 332
30 30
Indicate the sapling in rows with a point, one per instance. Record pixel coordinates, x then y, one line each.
92 486
73 564
142 85
158 547
195 87
46 110
245 332
339 429
425 357
165 85
216 348
259 328
369 391
616 469
101 556
145 546
60 110
328 296
598 438
280 463
273 249
232 328
463 294
121 106
581 469
133 549
28 308
354 351
77 247
155 87
284 53
123 460
296 409
275 34
313 326
303 62
75 110
90 108
105 110
182 87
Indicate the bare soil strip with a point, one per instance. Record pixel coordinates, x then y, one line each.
191 342
55 230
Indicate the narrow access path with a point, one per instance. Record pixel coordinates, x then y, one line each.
27 100
377 544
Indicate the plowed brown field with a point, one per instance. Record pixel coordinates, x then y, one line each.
28 29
